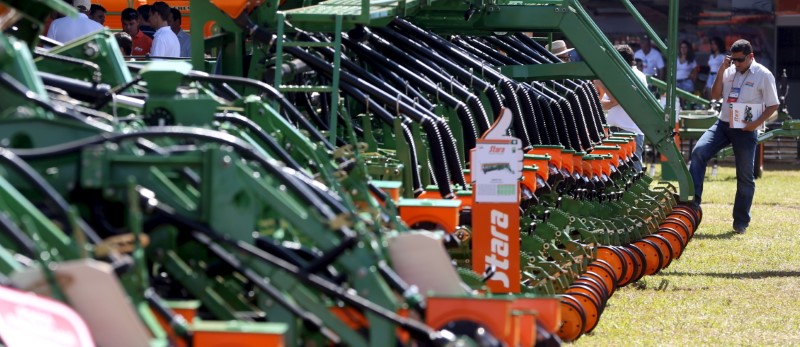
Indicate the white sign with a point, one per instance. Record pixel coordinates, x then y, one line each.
741 113
496 164
30 320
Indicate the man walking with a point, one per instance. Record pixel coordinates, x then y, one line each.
739 80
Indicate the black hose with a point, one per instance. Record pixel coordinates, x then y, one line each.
14 85
172 319
21 167
464 115
388 118
25 243
417 62
461 42
268 140
272 93
511 50
477 45
568 133
427 121
310 194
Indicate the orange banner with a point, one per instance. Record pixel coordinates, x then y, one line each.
495 242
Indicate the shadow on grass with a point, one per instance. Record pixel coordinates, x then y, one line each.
741 275
726 235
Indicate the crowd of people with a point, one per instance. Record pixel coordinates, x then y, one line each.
149 30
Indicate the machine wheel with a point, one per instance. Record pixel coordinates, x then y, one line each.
573 319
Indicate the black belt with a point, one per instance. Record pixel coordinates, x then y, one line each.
712 73
685 79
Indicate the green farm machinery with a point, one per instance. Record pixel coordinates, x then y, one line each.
310 176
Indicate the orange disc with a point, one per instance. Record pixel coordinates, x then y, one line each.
665 246
591 310
606 273
674 239
613 258
630 266
652 254
573 319
678 225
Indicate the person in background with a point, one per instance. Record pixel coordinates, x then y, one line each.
144 20
740 80
125 43
560 50
66 29
617 118
686 70
97 13
184 38
652 61
165 42
715 59
141 43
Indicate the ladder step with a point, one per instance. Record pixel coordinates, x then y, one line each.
320 89
308 44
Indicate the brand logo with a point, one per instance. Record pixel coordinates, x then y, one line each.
496 149
499 247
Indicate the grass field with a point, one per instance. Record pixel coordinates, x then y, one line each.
726 289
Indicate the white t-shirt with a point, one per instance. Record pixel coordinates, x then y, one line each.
66 29
684 70
651 62
165 43
756 86
714 62
617 117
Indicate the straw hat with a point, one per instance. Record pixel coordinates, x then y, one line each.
559 47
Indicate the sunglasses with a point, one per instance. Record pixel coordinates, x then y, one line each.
738 60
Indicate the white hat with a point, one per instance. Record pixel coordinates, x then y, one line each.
85 3
559 47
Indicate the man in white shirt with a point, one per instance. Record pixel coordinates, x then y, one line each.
66 29
617 118
165 42
652 61
183 37
740 80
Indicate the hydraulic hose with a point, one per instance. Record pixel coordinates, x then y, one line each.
511 50
547 119
269 141
8 81
462 42
529 114
329 207
460 73
436 153
464 115
577 115
427 121
563 115
538 114
21 167
485 49
272 93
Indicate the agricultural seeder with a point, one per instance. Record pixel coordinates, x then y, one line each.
336 173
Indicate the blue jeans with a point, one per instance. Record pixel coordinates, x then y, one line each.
719 136
686 85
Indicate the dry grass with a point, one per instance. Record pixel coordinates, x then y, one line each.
727 289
